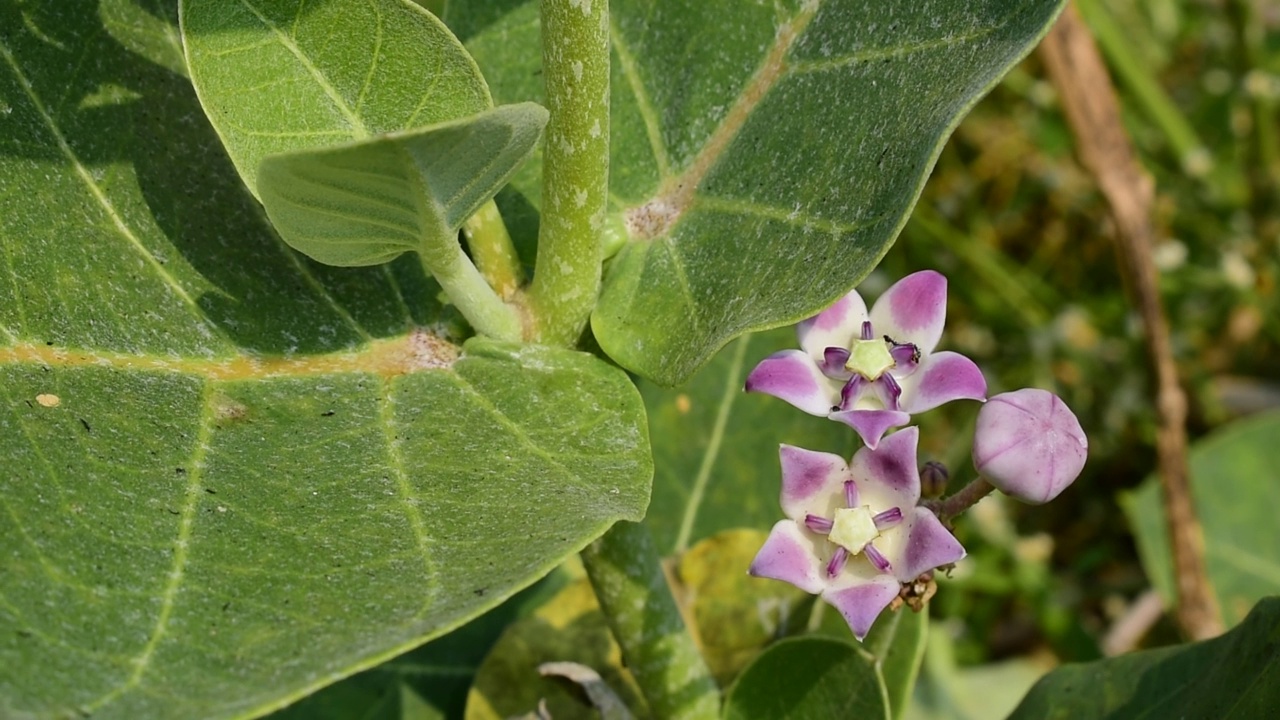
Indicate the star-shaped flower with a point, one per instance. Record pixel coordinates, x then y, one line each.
872 371
854 532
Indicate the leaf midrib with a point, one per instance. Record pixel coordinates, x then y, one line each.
383 357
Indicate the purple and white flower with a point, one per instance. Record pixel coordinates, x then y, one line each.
873 370
855 532
1029 444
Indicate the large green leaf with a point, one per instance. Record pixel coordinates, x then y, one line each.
733 615
765 155
569 628
897 641
229 475
281 75
1236 488
430 682
366 202
716 447
809 678
1233 676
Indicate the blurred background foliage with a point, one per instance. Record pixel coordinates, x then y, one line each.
1037 298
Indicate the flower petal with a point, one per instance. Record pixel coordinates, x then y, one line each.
837 326
812 482
928 545
941 378
793 376
861 603
887 475
789 555
871 425
913 310
1029 444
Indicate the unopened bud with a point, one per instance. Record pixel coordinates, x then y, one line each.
933 479
1029 444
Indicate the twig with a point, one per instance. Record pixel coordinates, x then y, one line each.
1089 99
1134 624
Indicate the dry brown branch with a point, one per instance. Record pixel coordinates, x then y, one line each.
1089 99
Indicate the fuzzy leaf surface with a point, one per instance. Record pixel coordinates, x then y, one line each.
230 475
282 75
366 202
764 155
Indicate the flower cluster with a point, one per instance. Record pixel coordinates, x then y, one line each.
856 534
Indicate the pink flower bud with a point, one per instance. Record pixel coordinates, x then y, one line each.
1029 444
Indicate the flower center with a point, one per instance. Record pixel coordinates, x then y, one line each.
853 528
869 358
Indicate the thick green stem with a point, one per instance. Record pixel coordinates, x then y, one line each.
492 251
626 572
467 289
575 174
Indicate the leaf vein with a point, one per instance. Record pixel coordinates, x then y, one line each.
884 53
377 53
732 389
357 125
408 497
181 549
97 192
631 72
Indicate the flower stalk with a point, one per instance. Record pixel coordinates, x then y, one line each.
575 177
626 573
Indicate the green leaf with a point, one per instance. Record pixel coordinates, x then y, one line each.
569 628
231 475
946 690
716 447
1233 676
809 677
765 155
733 614
366 202
1235 491
428 682
282 75
897 641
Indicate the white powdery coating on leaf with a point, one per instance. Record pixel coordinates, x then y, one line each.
651 219
430 352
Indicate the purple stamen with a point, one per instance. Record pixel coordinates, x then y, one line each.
837 562
887 519
890 391
850 494
879 561
867 334
817 524
905 356
833 360
851 391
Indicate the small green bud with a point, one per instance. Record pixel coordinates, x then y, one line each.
933 479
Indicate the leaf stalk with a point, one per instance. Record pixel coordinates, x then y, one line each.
626 572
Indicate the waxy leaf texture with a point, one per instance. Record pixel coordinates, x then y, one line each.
765 155
230 475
